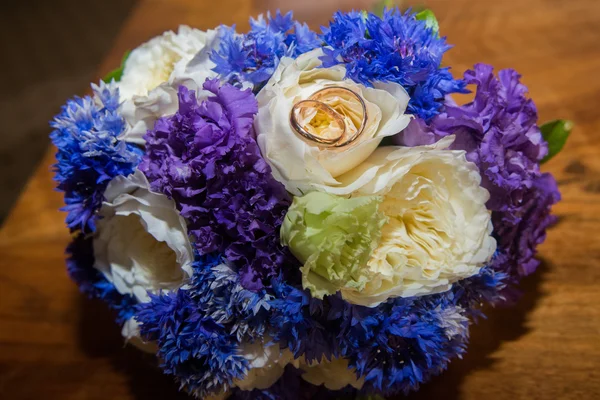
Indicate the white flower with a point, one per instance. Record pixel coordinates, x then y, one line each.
131 333
300 165
334 374
439 230
141 242
219 396
159 60
267 363
155 70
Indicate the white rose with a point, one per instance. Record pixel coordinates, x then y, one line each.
335 374
141 243
300 165
155 70
439 229
219 396
267 363
131 333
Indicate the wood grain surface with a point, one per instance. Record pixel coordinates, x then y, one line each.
55 344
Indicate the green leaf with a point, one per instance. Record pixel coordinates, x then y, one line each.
556 134
430 20
382 5
117 73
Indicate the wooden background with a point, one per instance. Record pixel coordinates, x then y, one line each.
54 344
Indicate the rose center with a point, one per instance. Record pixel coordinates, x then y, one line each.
161 71
147 257
333 116
418 228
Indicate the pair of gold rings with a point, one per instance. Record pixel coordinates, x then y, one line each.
315 101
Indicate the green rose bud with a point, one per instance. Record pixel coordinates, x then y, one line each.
333 237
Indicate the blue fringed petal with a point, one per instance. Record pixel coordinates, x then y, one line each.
89 154
394 48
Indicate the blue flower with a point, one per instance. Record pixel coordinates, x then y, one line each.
299 322
89 153
91 282
414 340
221 296
490 287
396 48
194 348
397 345
253 57
199 329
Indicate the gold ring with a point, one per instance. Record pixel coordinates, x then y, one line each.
320 106
314 101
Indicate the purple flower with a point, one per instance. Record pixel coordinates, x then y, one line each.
206 158
499 132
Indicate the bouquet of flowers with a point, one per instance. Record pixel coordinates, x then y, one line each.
287 214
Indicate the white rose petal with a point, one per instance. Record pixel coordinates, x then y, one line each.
301 166
141 242
267 363
160 60
439 230
155 70
334 374
220 396
131 333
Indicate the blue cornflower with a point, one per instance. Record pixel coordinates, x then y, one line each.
221 296
91 282
402 342
415 339
199 328
490 286
253 57
299 322
89 154
395 48
192 347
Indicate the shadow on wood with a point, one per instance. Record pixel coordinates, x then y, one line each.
503 324
100 337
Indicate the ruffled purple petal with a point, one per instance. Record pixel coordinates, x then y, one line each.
206 158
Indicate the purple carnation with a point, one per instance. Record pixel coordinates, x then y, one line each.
206 158
499 132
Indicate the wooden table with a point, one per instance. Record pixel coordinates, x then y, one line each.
54 344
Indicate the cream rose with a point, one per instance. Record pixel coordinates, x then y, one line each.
300 165
334 375
131 334
141 242
438 230
154 71
267 363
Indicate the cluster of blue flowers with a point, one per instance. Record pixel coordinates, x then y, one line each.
253 57
395 346
196 343
397 48
246 287
89 154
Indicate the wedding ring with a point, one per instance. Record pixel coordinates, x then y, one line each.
322 107
315 102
